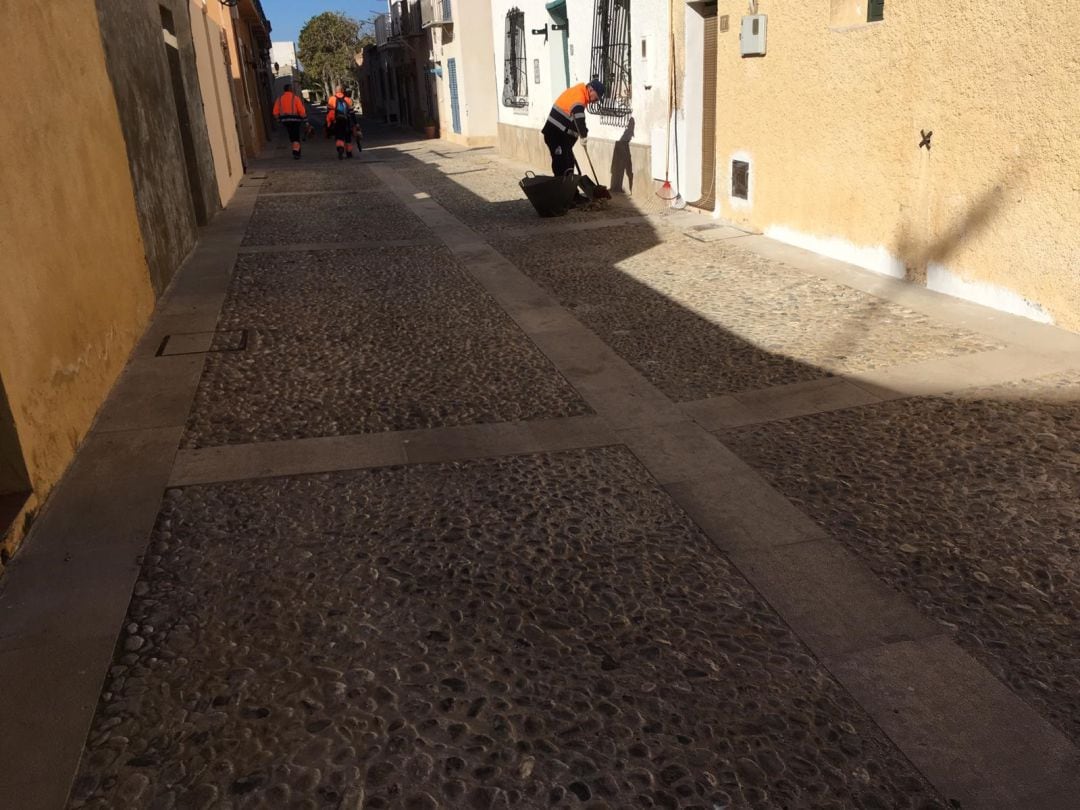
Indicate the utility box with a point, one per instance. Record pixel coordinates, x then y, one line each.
752 35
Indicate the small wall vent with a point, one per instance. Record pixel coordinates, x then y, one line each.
740 179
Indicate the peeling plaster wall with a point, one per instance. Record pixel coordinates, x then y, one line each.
74 290
831 117
135 52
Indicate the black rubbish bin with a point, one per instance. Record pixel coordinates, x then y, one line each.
550 196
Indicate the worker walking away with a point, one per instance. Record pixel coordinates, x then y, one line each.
289 109
341 122
566 122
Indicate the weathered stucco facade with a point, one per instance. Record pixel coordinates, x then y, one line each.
211 29
95 220
831 122
74 289
151 61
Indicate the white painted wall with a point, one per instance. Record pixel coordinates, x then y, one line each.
283 54
468 41
648 19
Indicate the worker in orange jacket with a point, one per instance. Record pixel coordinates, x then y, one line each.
289 109
566 123
341 122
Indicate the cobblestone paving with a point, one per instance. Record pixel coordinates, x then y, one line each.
351 177
484 194
331 218
344 342
702 320
968 505
544 631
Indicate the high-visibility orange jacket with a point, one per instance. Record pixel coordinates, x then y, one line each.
568 112
331 114
290 107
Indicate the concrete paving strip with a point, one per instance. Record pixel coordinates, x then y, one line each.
855 389
65 595
358 245
573 227
953 374
63 605
335 192
1002 326
337 453
974 740
830 599
778 402
836 601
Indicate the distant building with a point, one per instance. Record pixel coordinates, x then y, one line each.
468 105
397 76
283 59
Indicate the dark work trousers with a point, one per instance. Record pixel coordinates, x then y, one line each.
293 128
342 130
561 147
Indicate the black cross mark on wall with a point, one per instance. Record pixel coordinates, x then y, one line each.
926 136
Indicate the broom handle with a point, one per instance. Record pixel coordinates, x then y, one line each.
587 156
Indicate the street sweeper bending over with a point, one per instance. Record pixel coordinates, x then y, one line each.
566 122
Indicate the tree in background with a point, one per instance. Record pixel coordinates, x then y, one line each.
329 43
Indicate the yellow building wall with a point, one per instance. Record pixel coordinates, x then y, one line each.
830 120
207 32
75 289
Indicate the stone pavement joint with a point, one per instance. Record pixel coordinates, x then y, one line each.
363 451
667 587
697 470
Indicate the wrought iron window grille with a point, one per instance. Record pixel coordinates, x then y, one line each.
515 66
610 60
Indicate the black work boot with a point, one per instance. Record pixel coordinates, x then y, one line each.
341 153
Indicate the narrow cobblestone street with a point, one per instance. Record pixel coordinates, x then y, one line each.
622 509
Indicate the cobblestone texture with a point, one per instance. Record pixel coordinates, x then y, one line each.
344 342
484 194
348 178
331 218
968 505
701 320
544 631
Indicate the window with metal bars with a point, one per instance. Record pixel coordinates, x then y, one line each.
610 62
515 68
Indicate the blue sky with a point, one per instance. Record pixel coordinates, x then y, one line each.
287 17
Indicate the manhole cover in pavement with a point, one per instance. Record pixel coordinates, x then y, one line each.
231 340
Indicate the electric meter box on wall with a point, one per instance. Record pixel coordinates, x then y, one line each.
752 35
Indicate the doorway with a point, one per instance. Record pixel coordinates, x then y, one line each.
176 75
560 46
710 49
14 480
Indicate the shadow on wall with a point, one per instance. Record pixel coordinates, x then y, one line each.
919 250
622 165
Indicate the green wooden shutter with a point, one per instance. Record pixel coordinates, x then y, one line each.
875 10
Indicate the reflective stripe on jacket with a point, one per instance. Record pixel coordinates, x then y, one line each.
568 112
289 107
